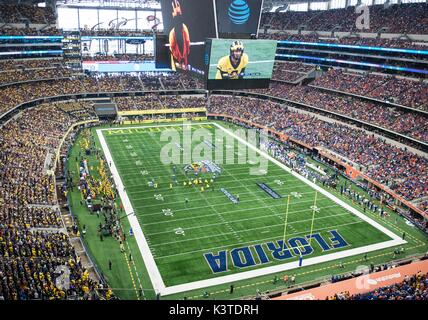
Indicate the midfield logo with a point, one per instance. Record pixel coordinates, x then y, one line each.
202 167
195 148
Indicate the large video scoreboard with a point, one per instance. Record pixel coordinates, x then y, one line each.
187 23
184 46
239 63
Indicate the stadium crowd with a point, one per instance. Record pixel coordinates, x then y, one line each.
413 287
283 152
290 71
22 13
397 168
406 123
404 18
119 57
423 205
153 101
30 31
395 119
24 75
349 40
410 93
17 64
13 95
31 256
116 32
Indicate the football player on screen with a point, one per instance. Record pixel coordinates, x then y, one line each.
233 65
179 39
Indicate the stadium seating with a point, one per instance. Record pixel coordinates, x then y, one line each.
116 33
27 199
154 101
423 205
25 13
11 31
410 93
349 40
27 74
413 287
406 123
23 64
290 71
120 57
409 124
404 18
35 242
399 169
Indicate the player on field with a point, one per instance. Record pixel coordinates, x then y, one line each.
233 66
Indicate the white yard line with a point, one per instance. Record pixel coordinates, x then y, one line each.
240 231
143 246
235 171
165 203
162 173
153 271
318 188
257 241
235 187
212 197
275 269
269 207
234 212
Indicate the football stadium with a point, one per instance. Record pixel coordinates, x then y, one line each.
203 150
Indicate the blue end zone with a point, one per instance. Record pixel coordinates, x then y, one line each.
269 190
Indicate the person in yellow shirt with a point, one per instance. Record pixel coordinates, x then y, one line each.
109 294
233 66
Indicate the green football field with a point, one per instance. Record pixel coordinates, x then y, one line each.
212 238
261 55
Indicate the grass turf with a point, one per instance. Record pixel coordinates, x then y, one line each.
125 273
210 221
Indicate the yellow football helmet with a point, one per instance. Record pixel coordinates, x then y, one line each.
236 45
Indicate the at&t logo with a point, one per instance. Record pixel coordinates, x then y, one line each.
239 11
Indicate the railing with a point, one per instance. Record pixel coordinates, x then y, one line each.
388 104
372 127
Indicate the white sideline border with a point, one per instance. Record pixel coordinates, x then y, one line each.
153 271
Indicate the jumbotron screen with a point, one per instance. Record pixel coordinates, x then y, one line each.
239 64
187 23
